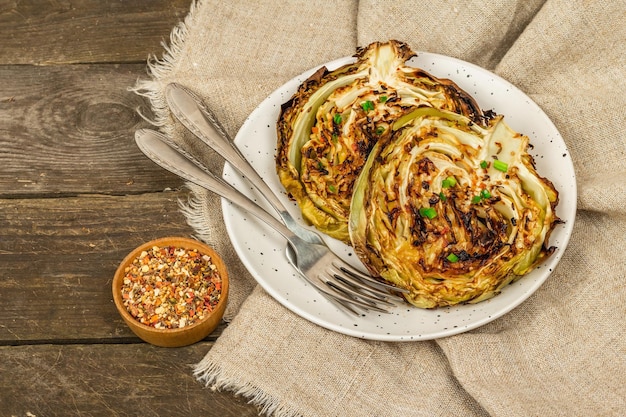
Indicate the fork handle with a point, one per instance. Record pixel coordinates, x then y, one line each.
187 108
154 146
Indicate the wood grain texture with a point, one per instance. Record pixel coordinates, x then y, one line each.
85 31
110 380
76 195
70 129
58 258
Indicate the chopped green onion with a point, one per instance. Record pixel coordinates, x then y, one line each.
382 99
500 166
442 196
337 118
332 188
484 164
367 105
485 194
452 257
448 182
429 212
476 199
335 137
380 130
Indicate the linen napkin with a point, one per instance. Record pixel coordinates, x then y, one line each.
563 351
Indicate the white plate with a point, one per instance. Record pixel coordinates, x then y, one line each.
262 250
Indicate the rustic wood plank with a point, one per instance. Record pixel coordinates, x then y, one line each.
70 130
63 31
59 255
66 134
110 380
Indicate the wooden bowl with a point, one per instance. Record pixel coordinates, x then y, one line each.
172 337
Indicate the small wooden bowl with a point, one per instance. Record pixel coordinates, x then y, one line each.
179 336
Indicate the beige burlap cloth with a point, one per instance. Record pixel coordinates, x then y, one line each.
562 352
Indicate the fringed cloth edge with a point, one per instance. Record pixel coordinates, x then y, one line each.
162 68
193 208
216 378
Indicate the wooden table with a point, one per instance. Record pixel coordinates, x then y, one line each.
76 196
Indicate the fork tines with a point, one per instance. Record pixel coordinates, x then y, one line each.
362 290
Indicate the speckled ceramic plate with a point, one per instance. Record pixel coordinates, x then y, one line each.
263 251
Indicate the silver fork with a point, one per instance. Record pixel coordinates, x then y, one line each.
187 107
314 262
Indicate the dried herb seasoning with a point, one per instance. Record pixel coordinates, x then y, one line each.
171 287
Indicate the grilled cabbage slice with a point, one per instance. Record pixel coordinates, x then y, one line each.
327 129
450 210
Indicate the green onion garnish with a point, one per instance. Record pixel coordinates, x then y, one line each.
429 212
367 105
382 99
442 196
448 182
484 164
332 188
380 130
476 199
500 166
485 194
337 118
452 257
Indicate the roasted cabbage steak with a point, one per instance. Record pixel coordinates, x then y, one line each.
435 195
450 210
327 129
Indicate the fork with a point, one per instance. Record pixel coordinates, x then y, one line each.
187 107
313 261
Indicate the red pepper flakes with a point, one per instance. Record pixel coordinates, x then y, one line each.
171 287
